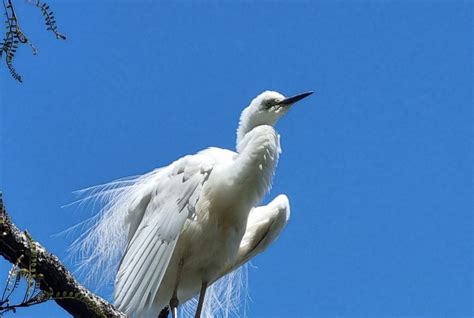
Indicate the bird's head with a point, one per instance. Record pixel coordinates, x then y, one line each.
266 109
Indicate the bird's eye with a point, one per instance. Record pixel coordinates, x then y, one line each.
269 103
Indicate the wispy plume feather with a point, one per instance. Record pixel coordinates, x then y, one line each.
99 248
226 298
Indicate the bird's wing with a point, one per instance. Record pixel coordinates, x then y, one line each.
156 220
264 225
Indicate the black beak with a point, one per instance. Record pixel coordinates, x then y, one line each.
293 99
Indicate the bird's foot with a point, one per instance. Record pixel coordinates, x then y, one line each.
174 303
164 312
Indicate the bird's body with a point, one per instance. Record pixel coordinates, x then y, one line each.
194 221
209 241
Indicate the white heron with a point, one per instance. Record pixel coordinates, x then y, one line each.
188 224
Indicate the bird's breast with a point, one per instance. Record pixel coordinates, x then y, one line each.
209 244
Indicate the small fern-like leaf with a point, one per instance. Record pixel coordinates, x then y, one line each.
49 18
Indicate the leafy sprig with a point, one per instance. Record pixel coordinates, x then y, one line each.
49 18
14 36
33 294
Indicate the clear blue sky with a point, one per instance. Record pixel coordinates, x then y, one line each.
377 164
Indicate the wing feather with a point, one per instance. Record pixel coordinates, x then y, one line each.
156 221
264 225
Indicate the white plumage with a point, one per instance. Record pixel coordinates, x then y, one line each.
186 225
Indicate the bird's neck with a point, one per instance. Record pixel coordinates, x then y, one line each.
243 130
258 151
249 119
243 184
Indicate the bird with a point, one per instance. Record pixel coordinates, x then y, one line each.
180 228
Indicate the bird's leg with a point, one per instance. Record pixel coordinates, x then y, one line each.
174 302
202 294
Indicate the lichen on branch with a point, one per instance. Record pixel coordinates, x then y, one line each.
46 277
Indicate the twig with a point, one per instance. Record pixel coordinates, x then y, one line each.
49 18
14 36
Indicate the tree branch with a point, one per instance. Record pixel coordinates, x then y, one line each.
54 277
